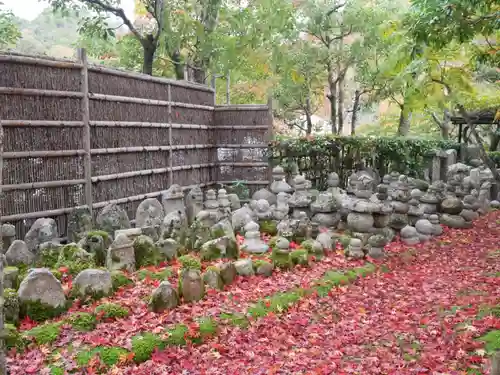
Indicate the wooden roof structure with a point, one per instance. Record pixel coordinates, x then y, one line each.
480 117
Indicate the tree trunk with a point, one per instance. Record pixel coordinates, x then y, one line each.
149 49
178 65
404 122
308 116
332 97
355 109
340 98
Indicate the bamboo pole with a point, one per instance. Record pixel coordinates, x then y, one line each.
3 369
33 60
147 78
155 102
246 145
242 164
240 127
131 124
270 134
246 182
43 184
242 107
42 123
87 161
41 154
171 152
38 92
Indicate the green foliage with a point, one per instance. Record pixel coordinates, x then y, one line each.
190 262
14 339
144 345
154 275
9 31
39 311
11 306
299 257
111 311
75 259
119 279
146 252
109 355
82 321
492 341
281 259
318 156
268 227
45 333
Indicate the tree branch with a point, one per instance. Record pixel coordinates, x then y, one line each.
119 12
334 9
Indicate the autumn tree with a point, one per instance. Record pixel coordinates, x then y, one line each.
9 32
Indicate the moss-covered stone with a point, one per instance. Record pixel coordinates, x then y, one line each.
13 338
161 275
190 262
345 240
75 259
163 298
281 258
45 333
232 250
210 252
109 355
11 306
146 252
263 267
57 274
39 311
212 278
119 279
299 257
11 277
48 257
144 345
111 311
268 227
82 321
97 243
177 335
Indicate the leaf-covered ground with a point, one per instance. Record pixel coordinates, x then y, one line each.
422 311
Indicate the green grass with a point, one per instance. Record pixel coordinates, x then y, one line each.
45 333
491 340
154 275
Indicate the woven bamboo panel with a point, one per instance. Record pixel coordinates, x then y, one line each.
17 107
191 136
243 117
24 170
107 164
182 115
42 138
193 176
231 173
192 96
113 111
192 157
114 137
38 77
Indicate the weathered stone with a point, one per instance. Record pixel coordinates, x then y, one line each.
214 249
8 234
111 218
234 200
355 249
10 278
360 222
452 206
224 204
192 287
18 254
327 240
146 253
40 285
398 221
437 229
168 248
264 194
455 221
173 224
121 255
164 298
149 213
42 230
264 268
79 224
152 232
424 226
469 215
212 278
194 203
173 200
376 245
241 217
227 272
409 235
279 185
244 267
495 204
92 282
252 243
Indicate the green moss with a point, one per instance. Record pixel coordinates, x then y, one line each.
39 311
210 252
299 257
48 257
111 355
119 279
207 328
44 334
177 335
11 306
268 227
146 252
56 370
57 274
272 242
100 233
235 319
143 346
82 321
75 259
345 241
256 263
14 339
97 243
492 341
154 275
232 250
111 311
281 259
217 232
11 276
190 262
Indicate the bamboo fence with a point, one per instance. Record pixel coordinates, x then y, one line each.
79 135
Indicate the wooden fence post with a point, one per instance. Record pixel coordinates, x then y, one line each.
171 151
228 88
270 137
3 368
87 161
